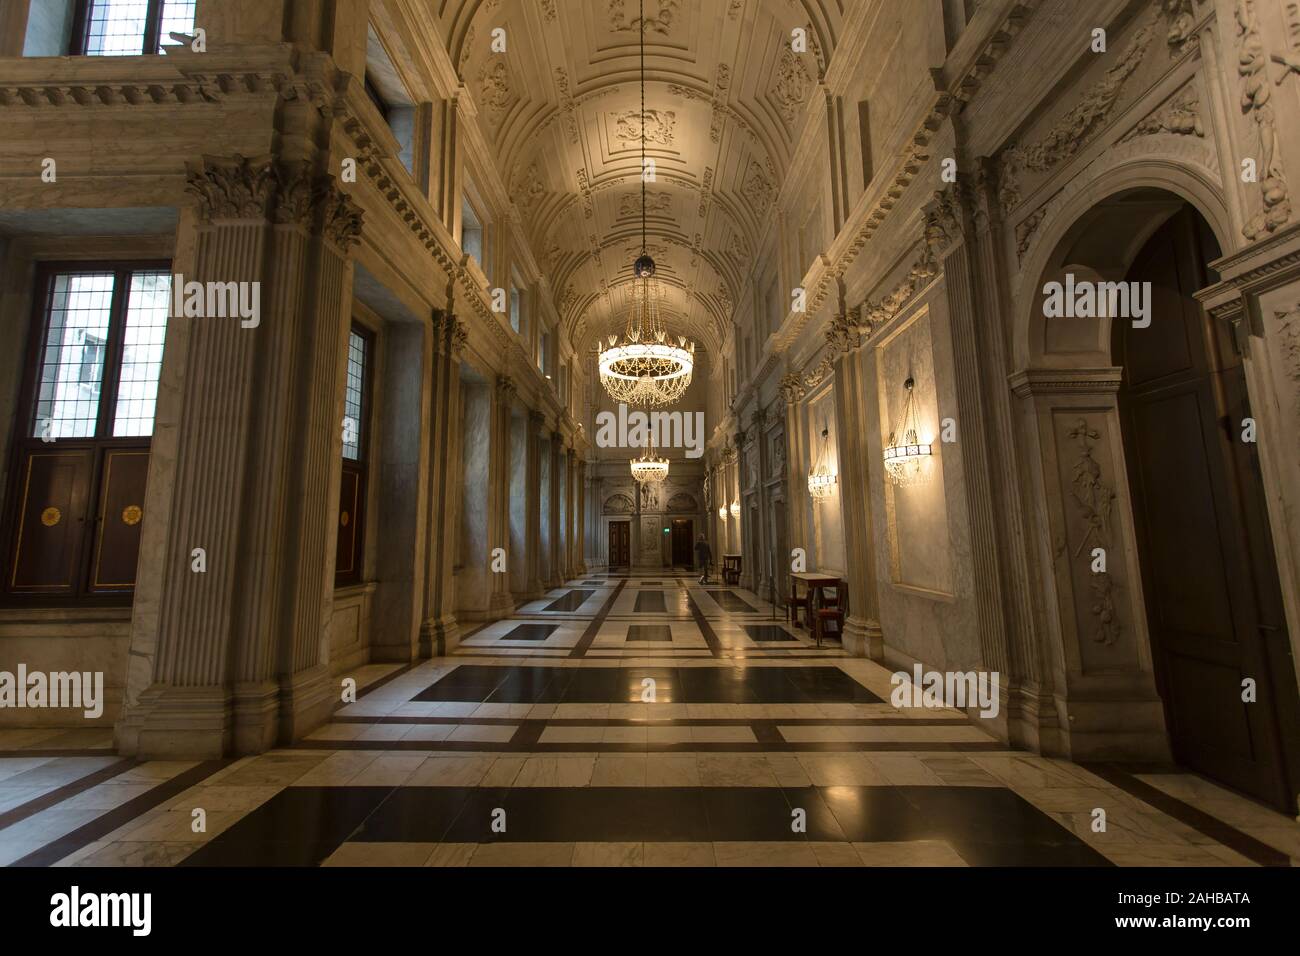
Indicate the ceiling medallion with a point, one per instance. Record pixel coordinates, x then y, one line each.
905 454
645 367
650 467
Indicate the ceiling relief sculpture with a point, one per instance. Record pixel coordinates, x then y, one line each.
658 126
726 98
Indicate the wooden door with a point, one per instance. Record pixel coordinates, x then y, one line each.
1209 574
620 544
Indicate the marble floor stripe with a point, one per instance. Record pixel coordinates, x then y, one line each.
65 792
113 819
1202 822
589 635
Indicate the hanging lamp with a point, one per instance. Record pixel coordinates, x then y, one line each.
651 466
821 482
906 453
645 366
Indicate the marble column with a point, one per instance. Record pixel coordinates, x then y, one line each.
439 631
536 423
233 655
503 397
798 463
570 512
580 538
862 634
556 554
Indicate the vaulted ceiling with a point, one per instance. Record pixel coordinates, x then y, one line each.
725 101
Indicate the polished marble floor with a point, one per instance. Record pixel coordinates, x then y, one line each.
624 720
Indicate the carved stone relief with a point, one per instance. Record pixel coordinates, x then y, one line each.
659 126
1094 499
618 504
791 85
1256 90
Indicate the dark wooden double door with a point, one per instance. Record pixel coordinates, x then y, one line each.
620 544
1210 580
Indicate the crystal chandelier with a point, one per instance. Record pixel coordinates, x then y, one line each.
645 367
821 483
722 512
905 454
650 467
735 509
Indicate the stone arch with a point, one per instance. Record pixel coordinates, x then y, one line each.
1096 635
1101 206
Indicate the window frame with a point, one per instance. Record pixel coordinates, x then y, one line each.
361 464
150 40
25 436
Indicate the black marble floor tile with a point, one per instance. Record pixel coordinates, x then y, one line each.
299 826
604 685
413 815
474 822
865 814
656 583
571 601
749 814
729 600
650 602
649 632
1012 853
767 632
530 632
987 826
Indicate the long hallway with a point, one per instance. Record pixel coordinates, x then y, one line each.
623 721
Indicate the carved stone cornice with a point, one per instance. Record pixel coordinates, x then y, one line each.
1038 381
506 390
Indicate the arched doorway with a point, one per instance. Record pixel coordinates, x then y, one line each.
1208 571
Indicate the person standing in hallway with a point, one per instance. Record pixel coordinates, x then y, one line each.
703 558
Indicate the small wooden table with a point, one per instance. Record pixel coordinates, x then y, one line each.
814 581
731 568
